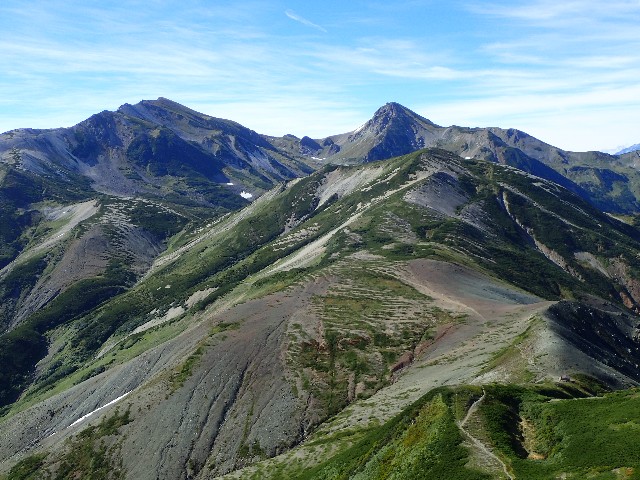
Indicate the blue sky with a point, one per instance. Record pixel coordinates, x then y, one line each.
566 72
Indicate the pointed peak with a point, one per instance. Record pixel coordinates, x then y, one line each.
395 111
396 106
391 108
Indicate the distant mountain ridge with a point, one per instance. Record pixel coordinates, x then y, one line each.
155 148
630 149
608 181
611 182
136 149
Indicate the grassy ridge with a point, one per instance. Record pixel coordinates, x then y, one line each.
424 440
223 265
570 434
421 442
590 437
246 249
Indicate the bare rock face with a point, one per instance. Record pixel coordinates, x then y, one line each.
441 192
209 410
308 146
84 258
235 405
631 297
604 334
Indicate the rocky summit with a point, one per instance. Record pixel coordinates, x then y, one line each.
184 298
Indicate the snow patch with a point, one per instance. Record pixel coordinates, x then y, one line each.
84 417
246 195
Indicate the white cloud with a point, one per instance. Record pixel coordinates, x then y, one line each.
400 58
576 121
294 16
553 13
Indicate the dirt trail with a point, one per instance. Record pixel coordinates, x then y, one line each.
474 406
477 443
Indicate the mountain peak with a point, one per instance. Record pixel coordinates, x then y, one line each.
392 107
394 111
630 149
392 131
143 107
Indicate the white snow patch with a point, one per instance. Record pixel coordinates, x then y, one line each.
84 417
230 183
246 195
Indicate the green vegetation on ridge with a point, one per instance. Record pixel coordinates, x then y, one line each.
588 437
541 431
421 442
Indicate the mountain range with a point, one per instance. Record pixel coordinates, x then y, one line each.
182 297
632 148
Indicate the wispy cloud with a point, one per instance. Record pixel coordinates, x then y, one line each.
552 12
573 119
298 18
396 58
